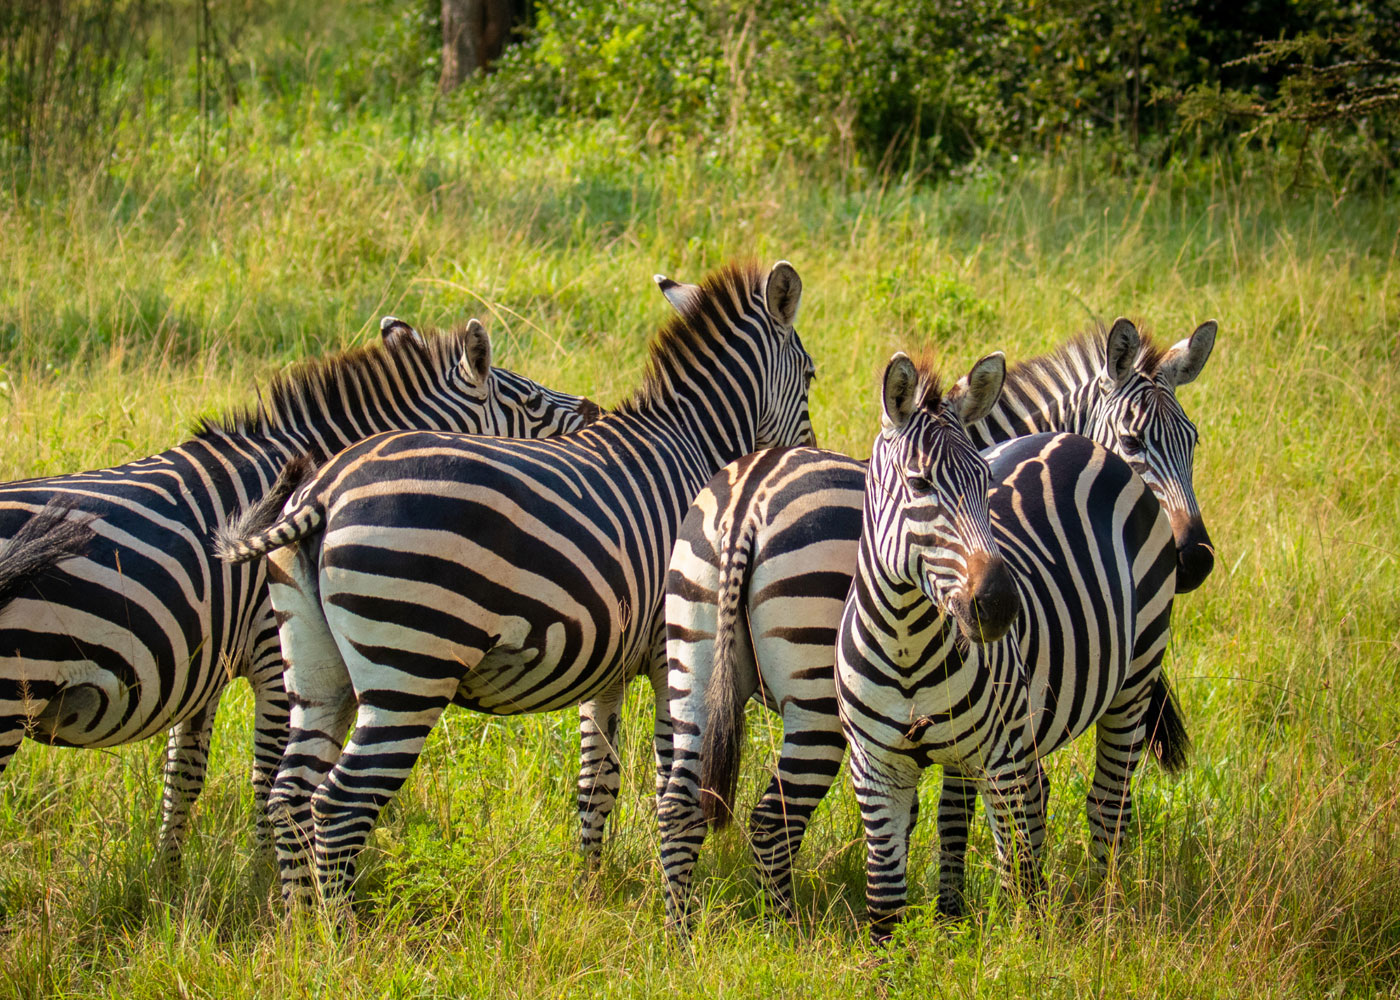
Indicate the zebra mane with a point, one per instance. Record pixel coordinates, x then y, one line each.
688 333
1083 356
315 386
929 392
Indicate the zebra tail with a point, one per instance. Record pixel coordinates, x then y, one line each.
1170 743
723 745
45 540
264 527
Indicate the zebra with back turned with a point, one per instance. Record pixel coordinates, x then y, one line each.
506 577
765 557
121 622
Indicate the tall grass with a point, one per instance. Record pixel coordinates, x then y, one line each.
167 284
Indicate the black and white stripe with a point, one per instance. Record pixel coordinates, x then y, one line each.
1119 389
1094 563
765 556
133 626
506 577
770 545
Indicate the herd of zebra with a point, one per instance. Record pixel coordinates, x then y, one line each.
405 526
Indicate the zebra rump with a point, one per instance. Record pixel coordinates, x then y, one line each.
46 539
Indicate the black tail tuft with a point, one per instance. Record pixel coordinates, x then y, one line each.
45 540
1166 730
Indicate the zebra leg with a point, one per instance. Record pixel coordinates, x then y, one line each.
389 735
808 762
271 729
1121 735
322 705
885 790
1005 797
956 804
663 739
600 774
186 760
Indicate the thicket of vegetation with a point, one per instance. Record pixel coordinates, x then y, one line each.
198 193
886 85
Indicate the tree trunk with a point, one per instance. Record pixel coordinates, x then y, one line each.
474 34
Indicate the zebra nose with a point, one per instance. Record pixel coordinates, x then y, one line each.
1195 556
995 602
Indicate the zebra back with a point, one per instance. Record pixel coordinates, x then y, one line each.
1118 387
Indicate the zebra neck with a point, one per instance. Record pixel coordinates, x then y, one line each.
906 624
1053 395
718 426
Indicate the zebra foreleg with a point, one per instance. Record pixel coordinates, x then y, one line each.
1006 799
186 760
599 771
808 762
663 739
885 790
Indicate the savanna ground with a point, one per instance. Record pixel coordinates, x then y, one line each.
171 281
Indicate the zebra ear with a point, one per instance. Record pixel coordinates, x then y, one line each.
476 358
1123 346
395 333
783 294
898 389
1186 359
681 296
977 392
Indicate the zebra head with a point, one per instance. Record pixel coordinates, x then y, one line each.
926 495
1138 417
495 401
784 420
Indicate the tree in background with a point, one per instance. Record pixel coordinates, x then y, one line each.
474 34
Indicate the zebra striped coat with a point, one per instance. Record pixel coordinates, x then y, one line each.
122 623
506 577
1094 563
764 560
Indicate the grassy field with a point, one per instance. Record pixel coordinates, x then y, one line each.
165 286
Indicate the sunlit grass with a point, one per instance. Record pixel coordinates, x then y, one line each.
137 299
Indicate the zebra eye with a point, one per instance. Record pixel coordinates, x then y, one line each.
920 485
1132 444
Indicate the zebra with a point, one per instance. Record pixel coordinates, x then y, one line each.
118 619
505 577
1119 389
920 680
764 560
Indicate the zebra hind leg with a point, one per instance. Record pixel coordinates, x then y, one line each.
271 730
322 704
810 758
600 773
391 728
186 761
1120 739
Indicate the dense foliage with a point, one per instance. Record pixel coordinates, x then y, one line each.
885 85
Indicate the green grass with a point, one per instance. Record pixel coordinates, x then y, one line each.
163 287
